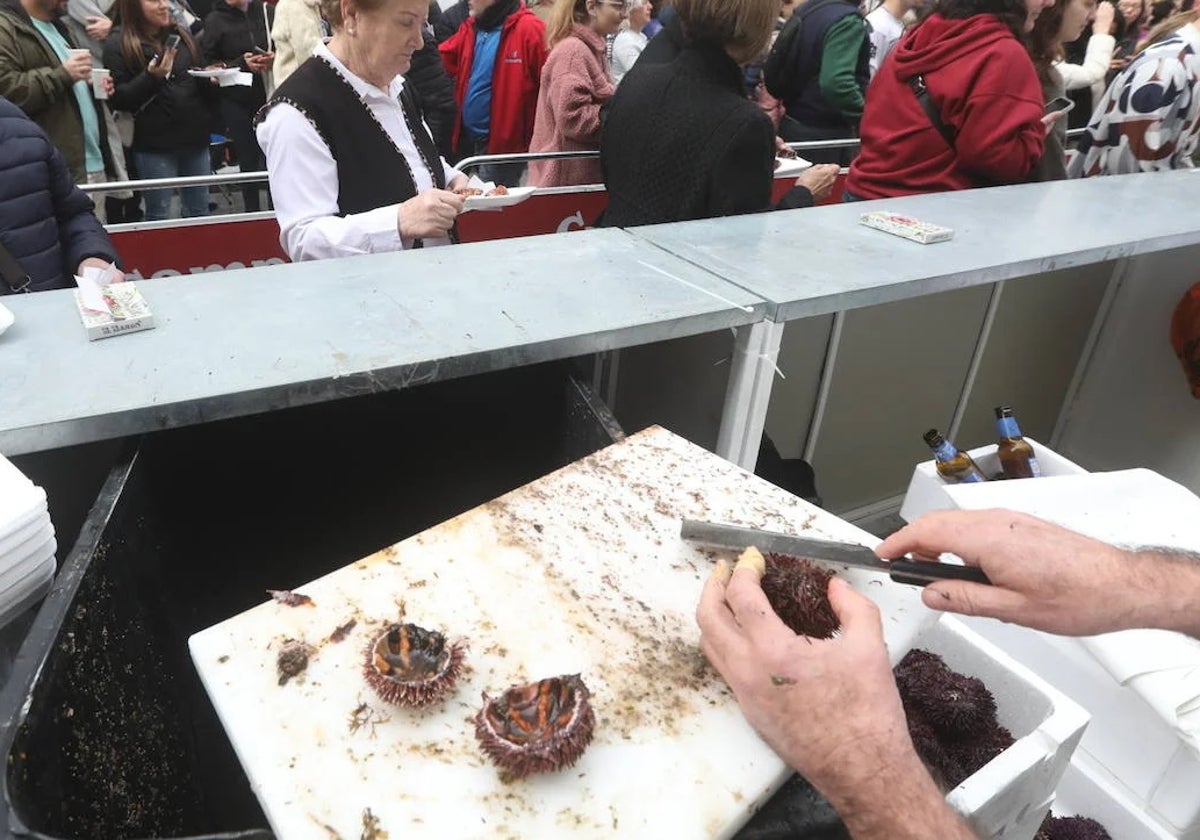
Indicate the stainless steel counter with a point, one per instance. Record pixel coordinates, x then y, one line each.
821 260
243 342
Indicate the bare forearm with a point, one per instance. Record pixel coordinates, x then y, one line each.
1167 585
899 801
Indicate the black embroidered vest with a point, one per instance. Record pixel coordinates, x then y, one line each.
371 170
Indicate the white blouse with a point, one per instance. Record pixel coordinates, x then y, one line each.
304 182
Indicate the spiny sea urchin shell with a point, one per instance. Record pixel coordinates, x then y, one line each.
410 666
954 704
538 727
799 593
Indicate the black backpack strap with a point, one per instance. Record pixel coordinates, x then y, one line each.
917 83
16 279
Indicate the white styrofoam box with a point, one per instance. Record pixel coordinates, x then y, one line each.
926 489
1010 795
1140 755
1084 791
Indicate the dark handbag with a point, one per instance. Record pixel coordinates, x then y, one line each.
16 279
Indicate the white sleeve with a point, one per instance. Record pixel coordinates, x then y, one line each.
304 188
1094 67
627 46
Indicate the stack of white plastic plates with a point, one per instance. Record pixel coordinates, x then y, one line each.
27 543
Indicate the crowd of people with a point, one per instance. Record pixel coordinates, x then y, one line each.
686 102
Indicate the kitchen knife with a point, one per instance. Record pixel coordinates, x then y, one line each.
913 572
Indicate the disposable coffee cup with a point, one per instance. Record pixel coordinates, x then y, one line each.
99 77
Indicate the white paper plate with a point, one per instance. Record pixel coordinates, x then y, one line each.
790 167
18 542
29 592
6 318
493 202
218 73
13 577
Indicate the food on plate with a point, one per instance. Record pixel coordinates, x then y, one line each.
471 192
538 727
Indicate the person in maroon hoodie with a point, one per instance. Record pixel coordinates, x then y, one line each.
978 82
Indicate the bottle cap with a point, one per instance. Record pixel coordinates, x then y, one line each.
1003 411
934 438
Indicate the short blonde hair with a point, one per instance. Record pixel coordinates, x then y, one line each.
740 27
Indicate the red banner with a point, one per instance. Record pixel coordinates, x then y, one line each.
223 245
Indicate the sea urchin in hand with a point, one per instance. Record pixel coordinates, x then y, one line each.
799 593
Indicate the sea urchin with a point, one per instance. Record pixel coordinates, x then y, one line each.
408 665
799 593
538 727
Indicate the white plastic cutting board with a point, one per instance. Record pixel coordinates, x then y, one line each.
579 572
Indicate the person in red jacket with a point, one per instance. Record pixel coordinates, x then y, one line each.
495 59
981 86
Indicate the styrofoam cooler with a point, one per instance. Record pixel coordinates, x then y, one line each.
926 489
1087 791
1010 795
1129 743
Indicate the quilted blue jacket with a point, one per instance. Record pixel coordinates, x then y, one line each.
46 222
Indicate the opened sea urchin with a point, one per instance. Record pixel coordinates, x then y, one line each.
799 593
410 666
538 727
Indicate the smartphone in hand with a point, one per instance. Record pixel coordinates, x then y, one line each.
1059 103
172 43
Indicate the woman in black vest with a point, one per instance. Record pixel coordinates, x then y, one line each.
353 167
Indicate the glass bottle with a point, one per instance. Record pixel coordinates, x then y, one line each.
1016 455
952 465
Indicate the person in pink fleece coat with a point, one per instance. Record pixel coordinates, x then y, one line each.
575 84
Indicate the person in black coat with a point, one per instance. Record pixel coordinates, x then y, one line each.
681 141
450 20
236 34
170 108
435 94
47 224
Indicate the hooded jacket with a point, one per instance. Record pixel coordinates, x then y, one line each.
983 84
515 79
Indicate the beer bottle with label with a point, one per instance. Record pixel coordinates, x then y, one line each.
1016 455
952 465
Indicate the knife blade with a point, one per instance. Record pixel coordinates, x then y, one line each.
901 570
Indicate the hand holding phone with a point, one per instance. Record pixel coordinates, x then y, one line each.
1059 103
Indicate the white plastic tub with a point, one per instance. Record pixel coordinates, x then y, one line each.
926 489
1010 795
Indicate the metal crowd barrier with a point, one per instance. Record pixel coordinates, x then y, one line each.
464 165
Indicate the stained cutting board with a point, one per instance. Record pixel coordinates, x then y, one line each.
578 572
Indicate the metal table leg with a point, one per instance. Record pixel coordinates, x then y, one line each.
755 353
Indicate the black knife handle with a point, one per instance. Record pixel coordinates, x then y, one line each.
922 572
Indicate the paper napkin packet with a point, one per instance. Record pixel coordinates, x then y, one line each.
907 227
108 309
